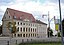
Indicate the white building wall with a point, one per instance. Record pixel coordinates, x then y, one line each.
6 18
41 29
27 25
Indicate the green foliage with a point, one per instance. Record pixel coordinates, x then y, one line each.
11 26
1 29
59 34
50 32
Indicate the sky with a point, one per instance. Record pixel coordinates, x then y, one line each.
35 7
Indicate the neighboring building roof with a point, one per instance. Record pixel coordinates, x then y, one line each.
21 14
40 22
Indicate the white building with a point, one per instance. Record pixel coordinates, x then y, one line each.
26 25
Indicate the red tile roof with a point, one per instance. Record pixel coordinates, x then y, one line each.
21 14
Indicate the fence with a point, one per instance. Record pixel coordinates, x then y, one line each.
14 41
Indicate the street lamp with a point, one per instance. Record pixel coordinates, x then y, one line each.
60 22
49 20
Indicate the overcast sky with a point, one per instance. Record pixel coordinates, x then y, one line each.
35 7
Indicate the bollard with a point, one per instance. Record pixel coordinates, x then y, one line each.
7 42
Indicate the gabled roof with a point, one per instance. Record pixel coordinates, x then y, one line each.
21 14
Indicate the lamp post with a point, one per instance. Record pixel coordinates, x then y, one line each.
49 20
60 23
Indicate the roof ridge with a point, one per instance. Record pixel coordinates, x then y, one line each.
22 14
18 10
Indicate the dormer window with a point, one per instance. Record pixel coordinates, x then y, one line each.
20 17
26 20
14 16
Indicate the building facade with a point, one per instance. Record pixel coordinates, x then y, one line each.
26 25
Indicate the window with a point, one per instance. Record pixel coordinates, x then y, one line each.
18 23
14 16
24 29
23 23
35 30
18 35
21 29
31 35
20 17
18 29
31 24
23 35
31 29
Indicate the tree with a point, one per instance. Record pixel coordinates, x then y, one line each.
49 32
11 26
1 29
59 34
63 26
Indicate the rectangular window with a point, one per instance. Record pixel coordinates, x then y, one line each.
31 24
18 29
31 35
14 17
18 23
21 29
31 29
24 29
23 35
18 35
35 30
21 23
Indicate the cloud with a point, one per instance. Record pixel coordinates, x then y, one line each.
56 1
36 7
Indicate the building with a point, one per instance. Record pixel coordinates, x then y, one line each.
26 24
